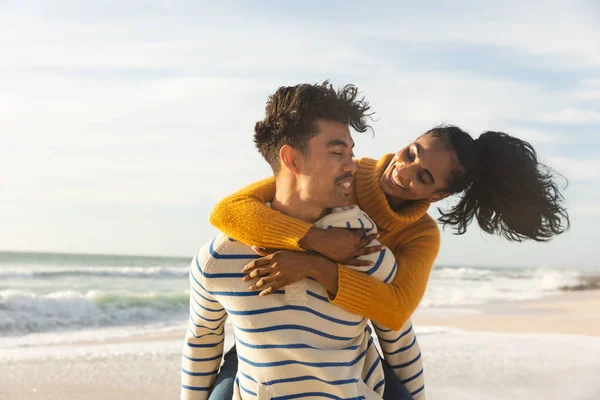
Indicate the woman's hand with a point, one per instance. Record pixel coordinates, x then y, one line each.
341 245
284 267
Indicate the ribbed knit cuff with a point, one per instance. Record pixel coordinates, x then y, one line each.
286 235
354 291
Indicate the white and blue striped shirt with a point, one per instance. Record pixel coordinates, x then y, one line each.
293 343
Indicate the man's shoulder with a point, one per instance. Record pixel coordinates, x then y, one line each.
223 250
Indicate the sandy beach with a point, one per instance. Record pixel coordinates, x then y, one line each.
547 348
574 313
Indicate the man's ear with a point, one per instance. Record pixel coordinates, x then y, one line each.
437 196
288 157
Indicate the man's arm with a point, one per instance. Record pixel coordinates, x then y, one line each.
402 352
204 339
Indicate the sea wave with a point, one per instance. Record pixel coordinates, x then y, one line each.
585 283
122 272
455 286
27 312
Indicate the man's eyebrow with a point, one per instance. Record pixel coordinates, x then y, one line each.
338 142
420 149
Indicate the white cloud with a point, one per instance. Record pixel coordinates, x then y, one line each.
578 169
571 115
153 103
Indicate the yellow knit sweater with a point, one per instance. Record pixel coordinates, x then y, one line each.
411 234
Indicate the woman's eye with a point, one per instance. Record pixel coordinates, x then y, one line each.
337 154
411 156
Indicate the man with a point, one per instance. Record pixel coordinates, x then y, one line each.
294 343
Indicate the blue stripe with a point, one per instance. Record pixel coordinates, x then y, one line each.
380 328
372 369
205 308
401 349
196 388
203 359
218 256
204 345
386 280
310 378
239 294
237 380
362 224
378 263
243 294
379 385
418 390
248 376
371 221
412 378
198 373
399 337
406 364
206 327
293 327
205 298
313 294
207 319
315 394
296 308
287 346
208 334
221 275
348 224
309 364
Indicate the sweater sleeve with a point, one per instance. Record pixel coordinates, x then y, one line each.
204 339
391 304
245 217
402 352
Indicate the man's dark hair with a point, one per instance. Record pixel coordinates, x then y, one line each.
292 112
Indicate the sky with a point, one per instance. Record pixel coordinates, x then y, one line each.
123 123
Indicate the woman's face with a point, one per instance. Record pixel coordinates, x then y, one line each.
420 170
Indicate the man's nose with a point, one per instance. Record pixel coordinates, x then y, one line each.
350 166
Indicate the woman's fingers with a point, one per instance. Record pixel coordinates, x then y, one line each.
257 263
358 263
365 251
273 287
262 282
257 272
368 239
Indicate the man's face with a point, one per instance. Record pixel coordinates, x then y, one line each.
326 172
419 171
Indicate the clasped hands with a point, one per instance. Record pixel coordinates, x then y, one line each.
325 249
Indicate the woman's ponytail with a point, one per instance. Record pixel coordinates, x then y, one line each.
506 189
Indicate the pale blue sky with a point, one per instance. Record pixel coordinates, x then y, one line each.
123 123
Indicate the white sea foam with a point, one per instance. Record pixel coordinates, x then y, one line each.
25 312
49 272
462 286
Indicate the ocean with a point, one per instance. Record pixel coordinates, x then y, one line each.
67 298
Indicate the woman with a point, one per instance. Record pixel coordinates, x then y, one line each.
502 183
